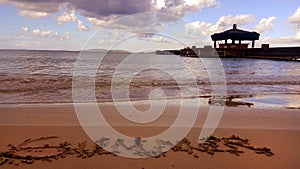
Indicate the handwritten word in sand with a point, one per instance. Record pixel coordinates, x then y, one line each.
27 153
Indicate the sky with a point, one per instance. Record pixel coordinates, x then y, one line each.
141 25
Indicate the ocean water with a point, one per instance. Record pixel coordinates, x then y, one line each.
46 77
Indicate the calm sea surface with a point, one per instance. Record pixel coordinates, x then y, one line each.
46 77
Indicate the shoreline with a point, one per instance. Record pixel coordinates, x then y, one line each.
264 101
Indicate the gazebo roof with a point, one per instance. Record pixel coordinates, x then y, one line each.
235 34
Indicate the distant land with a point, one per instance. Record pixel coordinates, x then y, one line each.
88 50
116 51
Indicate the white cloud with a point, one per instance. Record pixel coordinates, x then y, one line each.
285 40
203 28
34 14
102 41
36 32
265 24
59 36
40 33
293 40
70 16
68 35
229 20
44 34
152 38
158 39
106 41
159 4
81 26
96 22
182 7
295 18
67 17
198 27
25 29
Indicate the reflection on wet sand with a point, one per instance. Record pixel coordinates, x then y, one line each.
287 101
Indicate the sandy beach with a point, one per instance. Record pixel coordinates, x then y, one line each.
39 133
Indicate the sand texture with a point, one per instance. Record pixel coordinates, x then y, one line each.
50 136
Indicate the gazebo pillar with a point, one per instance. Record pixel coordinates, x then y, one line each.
215 44
253 43
225 41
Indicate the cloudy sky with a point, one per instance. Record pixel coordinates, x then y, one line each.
134 24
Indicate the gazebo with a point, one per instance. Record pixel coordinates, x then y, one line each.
235 35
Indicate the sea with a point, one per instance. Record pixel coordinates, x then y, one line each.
51 77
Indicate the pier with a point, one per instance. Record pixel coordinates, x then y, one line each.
237 49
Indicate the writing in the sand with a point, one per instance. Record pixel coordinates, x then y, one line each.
27 153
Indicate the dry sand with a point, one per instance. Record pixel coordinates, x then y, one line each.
277 129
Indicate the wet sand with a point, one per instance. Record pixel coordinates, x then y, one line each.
50 136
